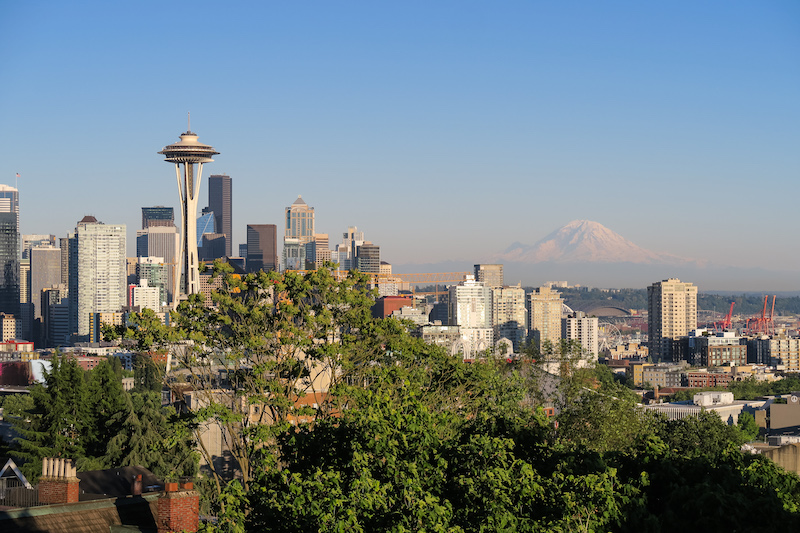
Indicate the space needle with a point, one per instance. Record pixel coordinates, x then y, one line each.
188 152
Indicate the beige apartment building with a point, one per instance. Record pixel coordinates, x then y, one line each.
545 306
672 313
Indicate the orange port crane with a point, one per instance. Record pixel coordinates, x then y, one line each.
726 322
763 325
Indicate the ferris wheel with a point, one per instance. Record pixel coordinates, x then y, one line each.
608 335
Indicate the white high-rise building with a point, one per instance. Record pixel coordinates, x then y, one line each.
144 297
583 329
98 271
470 309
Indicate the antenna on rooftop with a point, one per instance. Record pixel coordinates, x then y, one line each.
188 121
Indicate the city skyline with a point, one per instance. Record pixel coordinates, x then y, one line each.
470 125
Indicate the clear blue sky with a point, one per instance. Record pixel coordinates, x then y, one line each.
444 130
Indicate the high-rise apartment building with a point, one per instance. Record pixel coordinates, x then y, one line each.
157 216
509 315
144 296
220 202
470 308
262 247
491 275
545 309
98 269
583 329
672 313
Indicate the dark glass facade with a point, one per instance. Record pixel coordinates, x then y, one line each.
9 262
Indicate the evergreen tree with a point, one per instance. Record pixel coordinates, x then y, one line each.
107 408
58 422
152 436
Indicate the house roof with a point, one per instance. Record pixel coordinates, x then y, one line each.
117 482
137 513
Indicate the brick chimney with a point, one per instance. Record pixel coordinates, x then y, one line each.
178 510
59 482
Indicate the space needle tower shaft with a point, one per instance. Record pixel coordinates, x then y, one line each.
185 154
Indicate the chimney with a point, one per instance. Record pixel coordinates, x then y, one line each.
179 510
136 487
59 482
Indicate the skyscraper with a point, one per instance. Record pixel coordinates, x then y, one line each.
10 252
157 216
188 152
672 313
98 271
262 247
9 263
220 202
300 221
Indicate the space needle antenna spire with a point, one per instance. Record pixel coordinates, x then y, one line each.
185 154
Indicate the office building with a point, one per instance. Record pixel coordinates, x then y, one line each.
163 242
544 316
55 316
509 315
157 216
32 241
322 251
45 272
583 329
262 247
9 263
155 273
672 313
345 253
187 153
220 202
212 247
300 221
490 275
98 269
205 224
368 258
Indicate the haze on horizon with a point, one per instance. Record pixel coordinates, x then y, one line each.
445 131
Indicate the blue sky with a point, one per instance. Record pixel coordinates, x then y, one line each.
444 130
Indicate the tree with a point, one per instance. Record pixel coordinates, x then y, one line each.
748 427
59 422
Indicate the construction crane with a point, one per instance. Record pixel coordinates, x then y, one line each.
726 322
